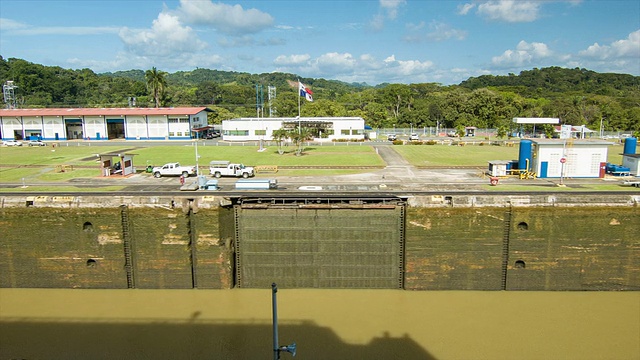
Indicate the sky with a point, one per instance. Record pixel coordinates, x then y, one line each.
363 41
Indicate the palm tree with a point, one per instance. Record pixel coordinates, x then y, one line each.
156 83
280 136
298 137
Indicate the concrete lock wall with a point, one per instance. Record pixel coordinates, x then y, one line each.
419 243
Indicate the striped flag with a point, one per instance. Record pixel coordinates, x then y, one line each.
305 91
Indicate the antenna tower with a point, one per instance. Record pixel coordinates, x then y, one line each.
9 94
272 96
259 101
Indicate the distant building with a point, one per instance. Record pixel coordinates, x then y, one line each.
551 158
102 124
330 128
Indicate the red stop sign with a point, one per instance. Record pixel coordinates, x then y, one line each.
563 160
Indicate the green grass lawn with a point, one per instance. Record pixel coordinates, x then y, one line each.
472 155
442 155
84 159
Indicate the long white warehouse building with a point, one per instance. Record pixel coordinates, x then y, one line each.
102 124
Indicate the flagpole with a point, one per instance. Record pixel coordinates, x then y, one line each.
299 96
299 85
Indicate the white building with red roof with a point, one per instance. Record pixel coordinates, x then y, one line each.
174 123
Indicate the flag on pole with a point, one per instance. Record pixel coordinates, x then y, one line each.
305 91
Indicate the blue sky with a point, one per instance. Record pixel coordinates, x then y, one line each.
396 41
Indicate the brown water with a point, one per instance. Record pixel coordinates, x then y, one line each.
325 324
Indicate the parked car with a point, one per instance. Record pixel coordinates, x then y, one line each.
11 143
391 137
414 137
212 135
37 143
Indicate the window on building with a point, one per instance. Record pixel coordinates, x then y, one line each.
237 132
261 132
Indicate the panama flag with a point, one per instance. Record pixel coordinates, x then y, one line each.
304 91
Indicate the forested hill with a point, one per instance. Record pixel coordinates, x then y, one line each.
277 79
576 96
558 80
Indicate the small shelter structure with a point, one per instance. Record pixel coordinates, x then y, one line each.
116 164
570 131
499 167
470 131
534 122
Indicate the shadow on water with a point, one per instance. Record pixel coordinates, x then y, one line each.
193 339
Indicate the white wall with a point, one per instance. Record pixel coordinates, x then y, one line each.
582 160
244 129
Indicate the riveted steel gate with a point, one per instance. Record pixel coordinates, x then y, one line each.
320 243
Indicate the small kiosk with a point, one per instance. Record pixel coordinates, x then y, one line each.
116 164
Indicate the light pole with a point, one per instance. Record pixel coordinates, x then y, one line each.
197 156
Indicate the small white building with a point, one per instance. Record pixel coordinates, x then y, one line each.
102 124
330 128
552 158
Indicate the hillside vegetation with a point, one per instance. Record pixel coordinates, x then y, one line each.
576 96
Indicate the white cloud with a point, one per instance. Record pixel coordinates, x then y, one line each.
292 60
228 19
524 54
166 37
8 24
349 68
465 8
620 56
626 48
389 10
510 10
441 32
437 32
391 7
18 28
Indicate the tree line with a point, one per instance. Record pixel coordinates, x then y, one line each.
576 96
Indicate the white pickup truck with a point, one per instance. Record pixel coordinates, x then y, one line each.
173 169
226 168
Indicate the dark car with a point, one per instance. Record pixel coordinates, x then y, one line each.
212 135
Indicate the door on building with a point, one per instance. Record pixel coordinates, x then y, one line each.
73 128
544 169
115 129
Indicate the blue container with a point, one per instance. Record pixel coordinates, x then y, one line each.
630 146
526 153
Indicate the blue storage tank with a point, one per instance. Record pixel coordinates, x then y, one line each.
526 153
630 146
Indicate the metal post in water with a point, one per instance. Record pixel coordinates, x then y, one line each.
274 307
276 348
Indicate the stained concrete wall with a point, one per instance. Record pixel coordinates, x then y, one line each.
457 242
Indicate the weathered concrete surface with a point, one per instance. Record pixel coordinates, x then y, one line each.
480 242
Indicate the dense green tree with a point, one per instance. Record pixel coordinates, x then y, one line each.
156 83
